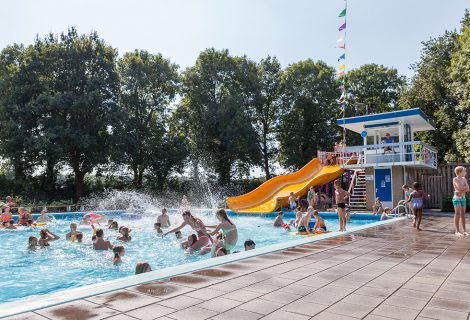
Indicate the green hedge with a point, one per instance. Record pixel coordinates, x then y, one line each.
447 206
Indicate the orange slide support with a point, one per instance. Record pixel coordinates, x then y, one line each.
274 193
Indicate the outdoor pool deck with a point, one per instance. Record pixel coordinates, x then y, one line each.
389 271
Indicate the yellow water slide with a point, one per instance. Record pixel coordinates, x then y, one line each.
274 193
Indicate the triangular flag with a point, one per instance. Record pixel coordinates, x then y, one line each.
342 96
342 27
341 87
343 13
340 73
341 67
341 80
340 39
343 56
342 46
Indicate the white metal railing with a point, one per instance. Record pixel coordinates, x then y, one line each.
414 152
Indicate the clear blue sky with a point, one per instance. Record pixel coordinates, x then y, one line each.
383 32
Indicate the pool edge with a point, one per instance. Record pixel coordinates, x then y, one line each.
49 300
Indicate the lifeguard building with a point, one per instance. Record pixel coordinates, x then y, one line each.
383 166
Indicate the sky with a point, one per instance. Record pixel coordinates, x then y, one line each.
383 32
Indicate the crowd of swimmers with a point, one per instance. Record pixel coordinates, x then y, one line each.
218 240
221 239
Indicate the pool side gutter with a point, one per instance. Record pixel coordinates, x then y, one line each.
69 295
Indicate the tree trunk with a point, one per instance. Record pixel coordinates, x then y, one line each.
140 176
79 177
135 180
266 156
50 173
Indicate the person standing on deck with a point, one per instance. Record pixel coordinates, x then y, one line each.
459 200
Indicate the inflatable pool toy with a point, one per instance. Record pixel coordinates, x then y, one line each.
131 216
41 224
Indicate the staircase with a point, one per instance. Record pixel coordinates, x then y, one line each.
357 189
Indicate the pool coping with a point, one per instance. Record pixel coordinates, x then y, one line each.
69 295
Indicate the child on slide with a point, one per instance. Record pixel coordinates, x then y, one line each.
292 201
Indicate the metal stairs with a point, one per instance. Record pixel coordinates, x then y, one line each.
357 189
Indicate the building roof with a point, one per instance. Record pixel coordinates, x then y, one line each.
416 118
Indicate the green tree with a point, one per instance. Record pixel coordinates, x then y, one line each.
267 109
218 94
459 74
376 87
310 111
20 86
372 88
430 91
148 85
82 100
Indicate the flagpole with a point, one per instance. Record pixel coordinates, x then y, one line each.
345 72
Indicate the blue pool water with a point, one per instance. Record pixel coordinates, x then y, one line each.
66 264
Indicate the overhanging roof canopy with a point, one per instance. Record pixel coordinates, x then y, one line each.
416 118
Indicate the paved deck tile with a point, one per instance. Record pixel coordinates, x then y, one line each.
385 272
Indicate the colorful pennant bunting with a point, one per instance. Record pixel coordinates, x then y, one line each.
342 13
342 57
342 27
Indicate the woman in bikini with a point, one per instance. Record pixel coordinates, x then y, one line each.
229 233
198 226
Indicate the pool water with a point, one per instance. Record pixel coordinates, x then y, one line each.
67 264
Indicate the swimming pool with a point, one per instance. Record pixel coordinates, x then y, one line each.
68 264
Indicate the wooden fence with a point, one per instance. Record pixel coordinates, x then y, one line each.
438 182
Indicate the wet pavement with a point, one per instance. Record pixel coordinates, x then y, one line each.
386 272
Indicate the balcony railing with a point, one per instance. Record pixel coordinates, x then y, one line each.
414 153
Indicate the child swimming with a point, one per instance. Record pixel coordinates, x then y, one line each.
459 200
278 222
164 219
45 237
385 214
73 232
11 225
124 234
100 243
113 225
32 243
197 225
118 253
142 267
44 217
157 227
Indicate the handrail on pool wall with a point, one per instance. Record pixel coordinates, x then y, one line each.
69 295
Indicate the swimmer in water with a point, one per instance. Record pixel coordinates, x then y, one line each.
124 234
157 227
100 243
118 253
32 243
164 219
46 237
198 226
